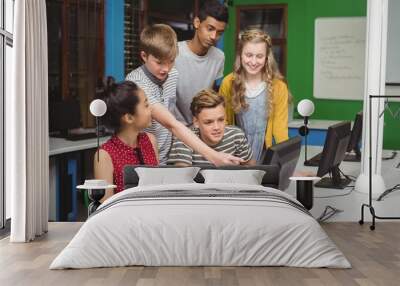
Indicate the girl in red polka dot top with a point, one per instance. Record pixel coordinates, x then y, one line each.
128 113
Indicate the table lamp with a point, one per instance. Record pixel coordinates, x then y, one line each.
96 190
98 108
306 109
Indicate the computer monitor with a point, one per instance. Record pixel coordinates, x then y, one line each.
335 147
355 138
285 155
63 116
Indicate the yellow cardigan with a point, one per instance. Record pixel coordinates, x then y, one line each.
278 120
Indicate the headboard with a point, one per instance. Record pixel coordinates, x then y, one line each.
270 179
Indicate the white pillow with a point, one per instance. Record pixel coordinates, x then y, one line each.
166 176
248 177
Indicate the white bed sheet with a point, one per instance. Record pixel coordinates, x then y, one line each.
192 231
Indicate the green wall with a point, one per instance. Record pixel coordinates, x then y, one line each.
300 56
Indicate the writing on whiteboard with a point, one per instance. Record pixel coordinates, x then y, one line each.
339 59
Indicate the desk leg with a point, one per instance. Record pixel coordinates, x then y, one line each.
64 200
66 181
72 172
52 189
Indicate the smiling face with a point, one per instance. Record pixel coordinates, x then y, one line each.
159 68
253 57
208 31
211 123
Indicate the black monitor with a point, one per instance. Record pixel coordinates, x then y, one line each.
335 147
63 116
285 155
355 138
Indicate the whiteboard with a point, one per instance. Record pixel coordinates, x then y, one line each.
339 58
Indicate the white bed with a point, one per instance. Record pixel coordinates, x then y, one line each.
203 225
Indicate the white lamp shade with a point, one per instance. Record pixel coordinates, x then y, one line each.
305 107
98 107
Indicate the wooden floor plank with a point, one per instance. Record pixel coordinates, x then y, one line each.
374 255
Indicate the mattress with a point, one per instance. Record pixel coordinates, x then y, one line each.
201 225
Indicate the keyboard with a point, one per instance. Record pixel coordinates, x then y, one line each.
314 161
80 136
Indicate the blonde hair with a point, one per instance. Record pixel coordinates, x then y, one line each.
160 41
206 98
269 72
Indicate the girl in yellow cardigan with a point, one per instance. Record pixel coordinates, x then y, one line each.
256 94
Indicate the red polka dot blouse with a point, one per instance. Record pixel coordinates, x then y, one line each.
122 154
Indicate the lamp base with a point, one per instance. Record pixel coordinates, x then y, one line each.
329 183
95 195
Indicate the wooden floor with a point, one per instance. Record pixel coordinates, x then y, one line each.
374 255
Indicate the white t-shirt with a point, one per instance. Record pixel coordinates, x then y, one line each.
158 93
195 73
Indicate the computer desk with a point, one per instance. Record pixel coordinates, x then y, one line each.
317 127
67 164
61 146
65 157
351 203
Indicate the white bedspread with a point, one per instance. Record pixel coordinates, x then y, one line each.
205 230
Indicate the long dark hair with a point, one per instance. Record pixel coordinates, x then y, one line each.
121 98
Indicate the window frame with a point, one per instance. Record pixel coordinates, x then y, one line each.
276 42
6 39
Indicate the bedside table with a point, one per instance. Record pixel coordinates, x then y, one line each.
305 190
